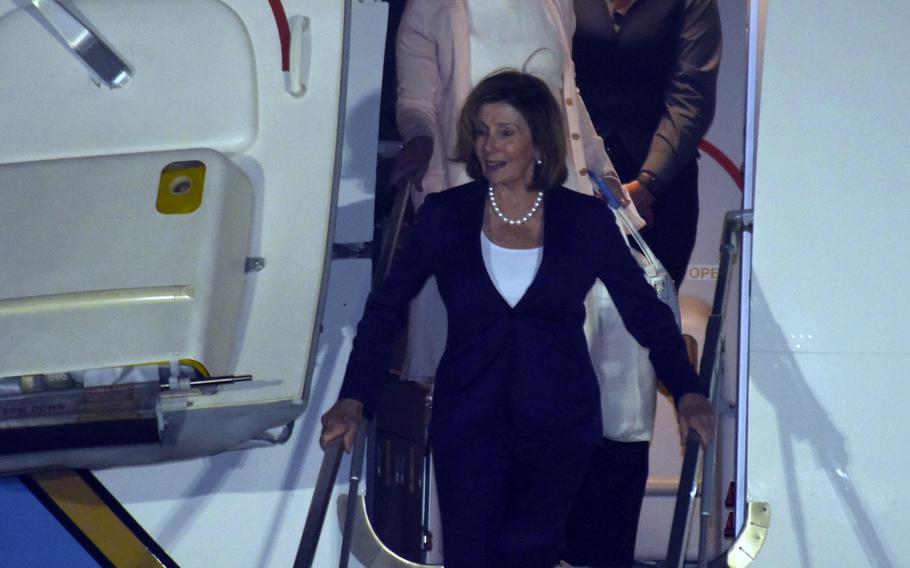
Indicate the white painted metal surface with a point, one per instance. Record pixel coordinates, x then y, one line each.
829 357
176 99
87 228
756 11
244 509
207 75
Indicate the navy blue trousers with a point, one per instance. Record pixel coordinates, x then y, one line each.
506 506
604 520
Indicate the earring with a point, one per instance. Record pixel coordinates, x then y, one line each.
538 162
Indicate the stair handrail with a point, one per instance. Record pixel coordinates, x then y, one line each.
331 460
319 504
734 223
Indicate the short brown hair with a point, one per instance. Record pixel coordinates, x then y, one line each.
532 98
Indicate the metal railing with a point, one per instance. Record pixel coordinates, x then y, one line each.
319 505
331 461
734 223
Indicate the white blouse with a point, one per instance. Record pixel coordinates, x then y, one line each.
511 270
516 34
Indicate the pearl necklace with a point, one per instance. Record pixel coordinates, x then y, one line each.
521 220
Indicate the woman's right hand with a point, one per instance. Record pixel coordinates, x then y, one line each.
341 421
412 162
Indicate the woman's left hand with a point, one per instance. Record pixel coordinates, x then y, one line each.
695 411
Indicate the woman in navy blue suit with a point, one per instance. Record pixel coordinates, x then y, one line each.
516 408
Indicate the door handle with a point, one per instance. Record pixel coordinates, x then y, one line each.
301 51
102 61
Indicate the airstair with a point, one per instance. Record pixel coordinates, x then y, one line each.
698 480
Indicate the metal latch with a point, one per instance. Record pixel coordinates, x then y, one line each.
100 58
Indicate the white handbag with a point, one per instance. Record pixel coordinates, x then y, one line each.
628 383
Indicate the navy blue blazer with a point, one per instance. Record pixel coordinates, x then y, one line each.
522 372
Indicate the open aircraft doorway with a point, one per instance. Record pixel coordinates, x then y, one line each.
395 520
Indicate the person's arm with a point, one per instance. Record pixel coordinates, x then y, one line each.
384 316
418 83
653 325
690 96
595 154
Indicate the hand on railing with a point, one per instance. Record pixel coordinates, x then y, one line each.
695 412
341 421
